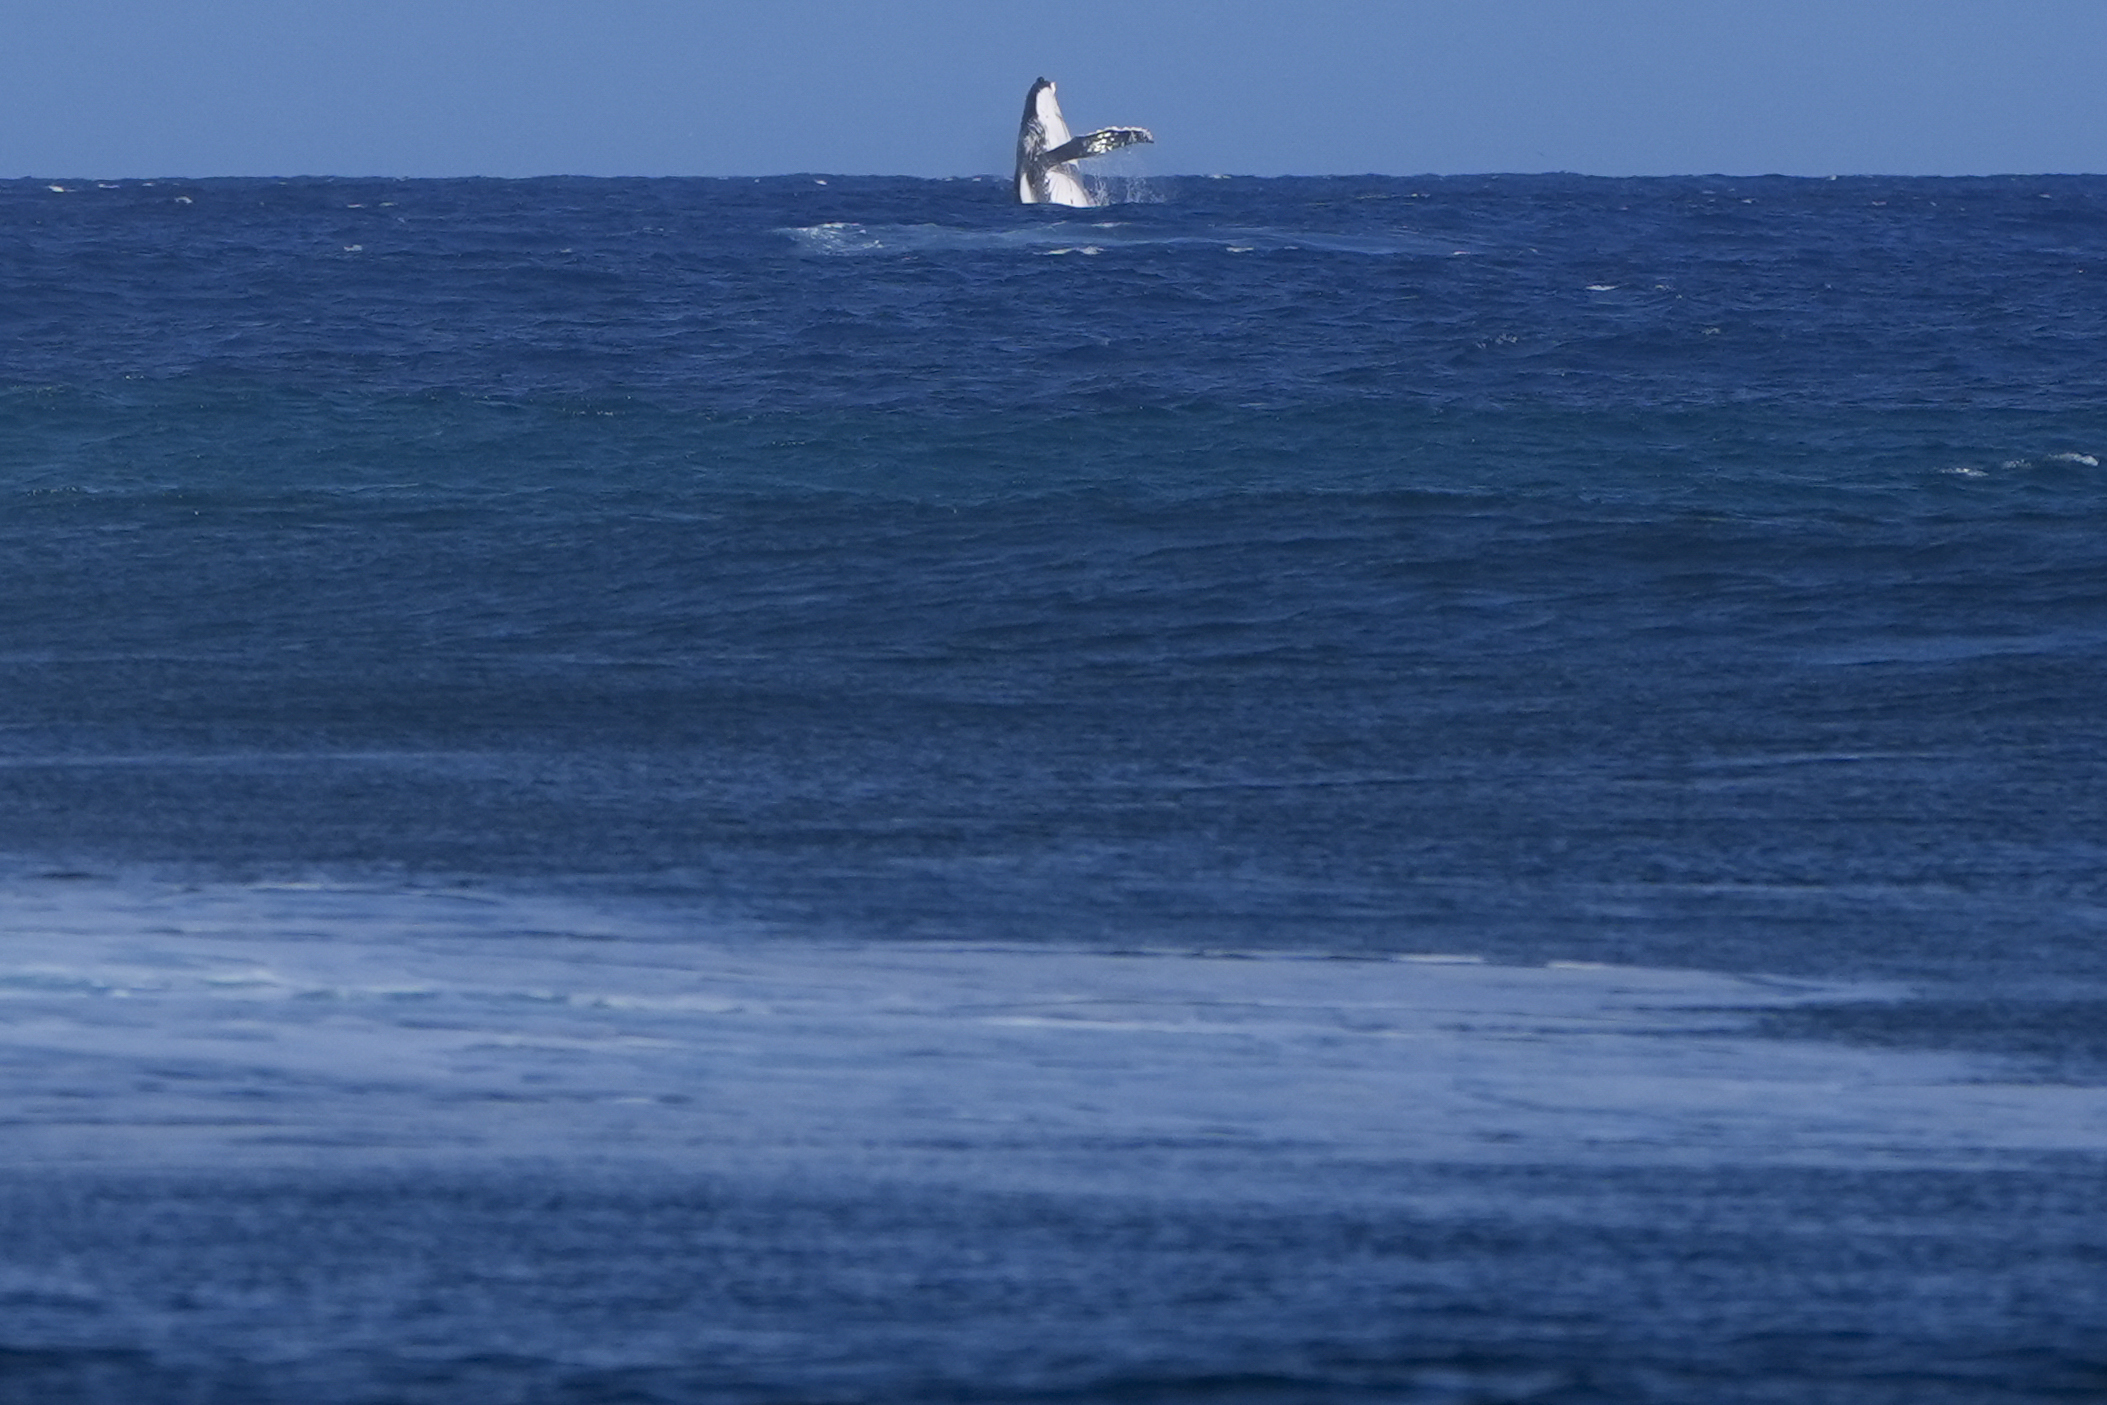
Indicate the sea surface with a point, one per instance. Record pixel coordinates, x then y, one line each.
1286 792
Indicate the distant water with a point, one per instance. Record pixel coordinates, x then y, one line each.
837 790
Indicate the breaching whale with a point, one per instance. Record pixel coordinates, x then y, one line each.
1046 153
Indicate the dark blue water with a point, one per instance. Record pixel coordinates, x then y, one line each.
1700 573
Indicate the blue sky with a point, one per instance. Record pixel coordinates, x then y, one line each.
109 88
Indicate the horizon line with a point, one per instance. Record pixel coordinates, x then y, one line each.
823 177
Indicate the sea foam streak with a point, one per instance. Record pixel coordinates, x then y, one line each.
849 237
148 1025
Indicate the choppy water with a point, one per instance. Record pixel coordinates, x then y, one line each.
706 790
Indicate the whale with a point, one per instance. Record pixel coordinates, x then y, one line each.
1047 151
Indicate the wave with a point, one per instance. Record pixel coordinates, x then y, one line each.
477 1023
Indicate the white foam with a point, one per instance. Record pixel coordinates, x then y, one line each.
1041 235
153 1025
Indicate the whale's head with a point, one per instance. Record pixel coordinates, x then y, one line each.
1040 102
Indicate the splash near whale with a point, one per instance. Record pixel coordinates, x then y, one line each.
1047 152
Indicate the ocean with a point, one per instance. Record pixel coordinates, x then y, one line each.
831 789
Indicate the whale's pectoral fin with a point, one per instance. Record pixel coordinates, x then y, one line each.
1097 144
